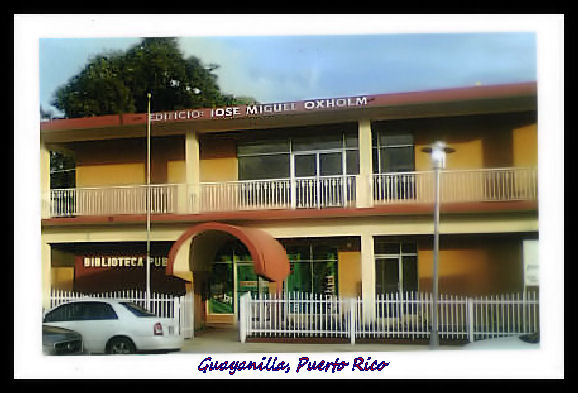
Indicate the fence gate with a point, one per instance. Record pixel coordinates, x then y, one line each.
186 315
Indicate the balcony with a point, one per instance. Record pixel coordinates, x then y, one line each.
477 185
500 184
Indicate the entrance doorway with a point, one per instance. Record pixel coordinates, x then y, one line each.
319 179
232 275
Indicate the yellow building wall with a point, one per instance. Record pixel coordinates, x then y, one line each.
468 155
218 160
526 146
176 172
464 272
218 169
475 268
110 175
488 141
123 162
62 278
349 273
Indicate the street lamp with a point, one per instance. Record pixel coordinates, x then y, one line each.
438 152
148 199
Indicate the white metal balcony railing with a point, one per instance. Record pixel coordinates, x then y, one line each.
113 200
502 184
314 192
497 184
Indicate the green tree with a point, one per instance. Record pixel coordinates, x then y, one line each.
118 82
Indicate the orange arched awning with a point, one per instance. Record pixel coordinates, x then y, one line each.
269 257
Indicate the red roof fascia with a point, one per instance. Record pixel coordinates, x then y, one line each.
389 99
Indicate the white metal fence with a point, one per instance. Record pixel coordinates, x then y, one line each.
179 308
389 316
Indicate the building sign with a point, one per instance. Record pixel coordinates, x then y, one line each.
121 261
100 272
256 110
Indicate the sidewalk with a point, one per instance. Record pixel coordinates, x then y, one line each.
226 340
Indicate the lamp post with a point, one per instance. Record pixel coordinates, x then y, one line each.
148 200
438 152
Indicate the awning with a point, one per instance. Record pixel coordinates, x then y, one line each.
268 255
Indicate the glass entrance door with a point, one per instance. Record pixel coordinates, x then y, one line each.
248 281
318 178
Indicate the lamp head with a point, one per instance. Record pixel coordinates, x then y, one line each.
438 152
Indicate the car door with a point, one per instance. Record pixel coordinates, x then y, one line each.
100 323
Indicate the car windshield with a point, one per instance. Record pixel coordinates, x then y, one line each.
137 310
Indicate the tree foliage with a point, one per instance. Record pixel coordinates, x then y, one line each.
118 82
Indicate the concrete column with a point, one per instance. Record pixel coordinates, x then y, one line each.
367 274
363 189
181 267
44 181
192 169
46 263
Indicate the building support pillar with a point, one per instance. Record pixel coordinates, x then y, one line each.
367 276
46 271
192 171
363 190
44 180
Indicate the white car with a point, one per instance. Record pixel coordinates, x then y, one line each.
115 326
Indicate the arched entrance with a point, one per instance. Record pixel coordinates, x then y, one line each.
196 250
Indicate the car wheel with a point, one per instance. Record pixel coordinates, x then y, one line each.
120 345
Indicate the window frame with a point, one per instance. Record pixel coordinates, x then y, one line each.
378 149
400 260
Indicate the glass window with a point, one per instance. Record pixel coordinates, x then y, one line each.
137 310
395 266
221 289
331 164
386 275
324 277
263 146
247 280
264 167
351 139
318 142
393 153
324 253
313 269
298 253
97 311
409 267
352 158
395 140
62 170
384 247
396 159
82 311
305 165
299 279
65 312
409 247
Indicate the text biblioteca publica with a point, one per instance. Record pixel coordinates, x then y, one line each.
272 364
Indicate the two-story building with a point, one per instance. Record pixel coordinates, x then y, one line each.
327 196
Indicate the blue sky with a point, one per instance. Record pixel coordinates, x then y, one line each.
285 68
